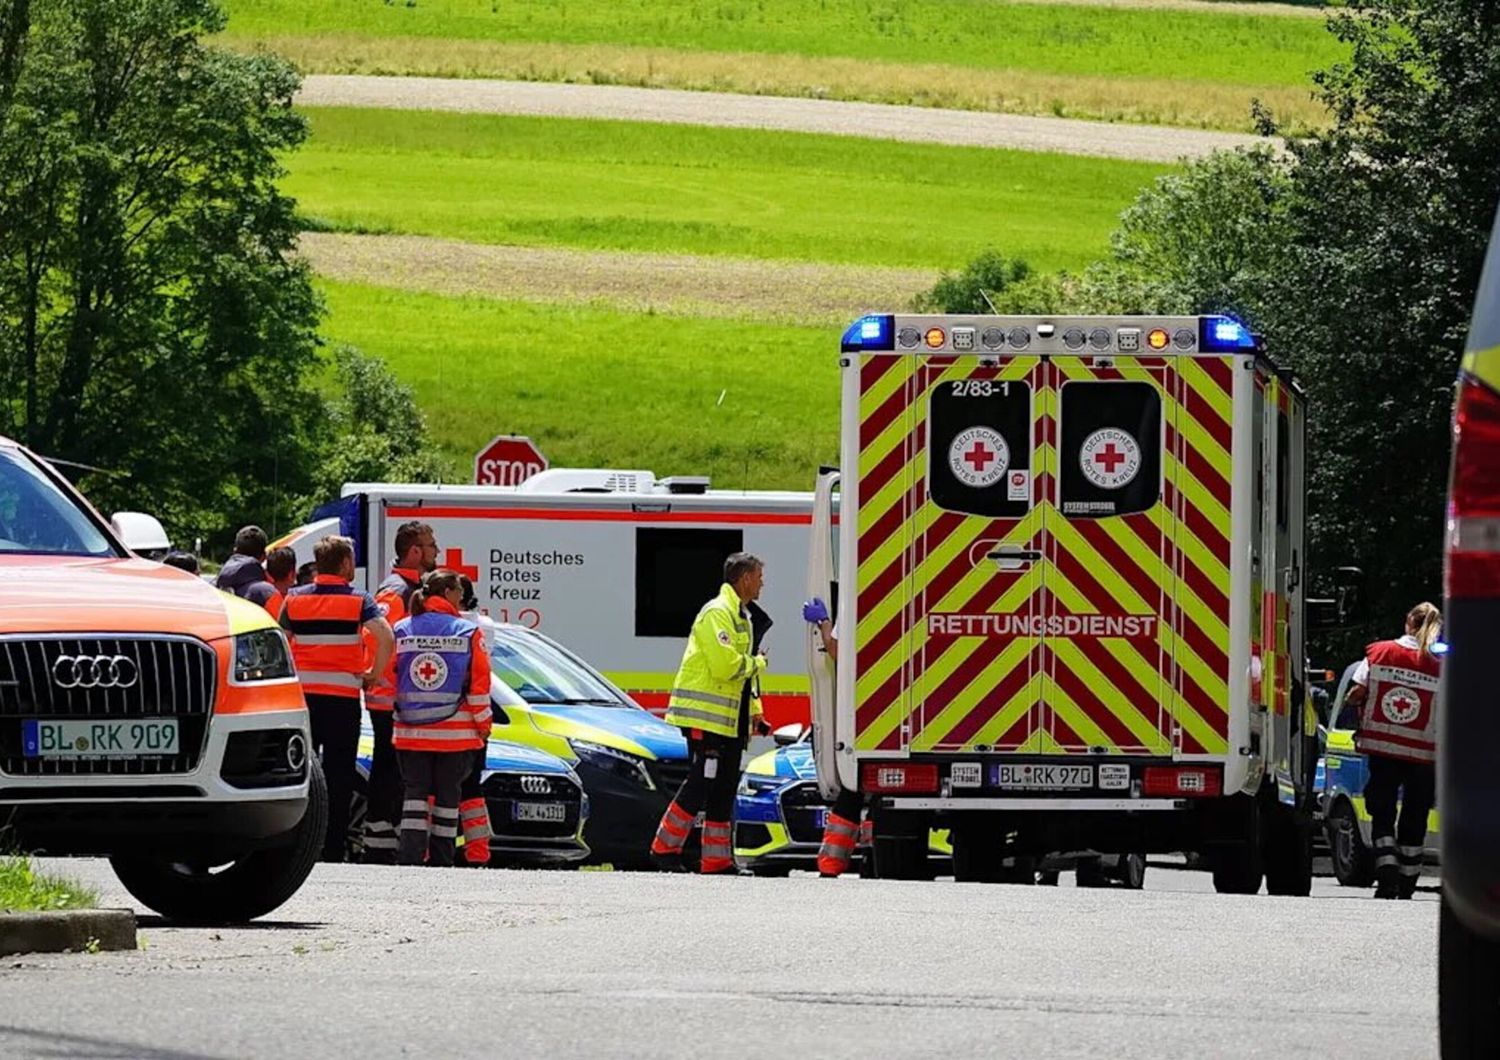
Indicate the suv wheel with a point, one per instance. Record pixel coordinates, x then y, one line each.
1353 862
191 892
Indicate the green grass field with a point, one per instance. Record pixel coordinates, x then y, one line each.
1197 67
684 189
981 34
752 405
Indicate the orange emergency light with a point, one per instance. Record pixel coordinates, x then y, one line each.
1158 338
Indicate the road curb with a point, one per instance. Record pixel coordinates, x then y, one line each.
74 930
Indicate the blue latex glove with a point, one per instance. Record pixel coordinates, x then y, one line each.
815 611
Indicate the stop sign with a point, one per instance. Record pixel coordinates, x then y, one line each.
508 460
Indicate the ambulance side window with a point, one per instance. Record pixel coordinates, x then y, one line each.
979 447
1110 456
677 571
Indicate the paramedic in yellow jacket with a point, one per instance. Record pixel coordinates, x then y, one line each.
715 701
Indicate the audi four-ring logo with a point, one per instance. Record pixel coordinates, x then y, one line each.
94 671
535 786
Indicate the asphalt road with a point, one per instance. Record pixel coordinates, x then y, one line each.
377 963
1150 143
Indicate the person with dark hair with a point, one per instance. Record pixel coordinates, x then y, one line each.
243 573
442 715
1396 686
306 572
281 571
181 560
325 621
716 701
416 555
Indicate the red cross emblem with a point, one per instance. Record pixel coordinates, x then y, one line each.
426 671
453 559
979 457
1110 458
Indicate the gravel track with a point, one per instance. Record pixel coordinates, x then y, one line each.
1145 143
787 292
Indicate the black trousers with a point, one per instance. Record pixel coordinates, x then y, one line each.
335 737
849 805
384 805
714 775
1398 844
430 832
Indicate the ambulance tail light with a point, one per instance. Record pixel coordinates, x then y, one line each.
1182 782
1473 552
880 777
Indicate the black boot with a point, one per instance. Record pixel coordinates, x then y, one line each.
1387 881
668 862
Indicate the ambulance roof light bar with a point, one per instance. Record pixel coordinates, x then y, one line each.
1224 335
1216 334
877 332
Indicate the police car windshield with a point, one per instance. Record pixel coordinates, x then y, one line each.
539 672
37 518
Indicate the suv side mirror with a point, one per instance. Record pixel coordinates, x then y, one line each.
141 533
789 734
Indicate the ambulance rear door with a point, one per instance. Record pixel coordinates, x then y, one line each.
1110 425
975 550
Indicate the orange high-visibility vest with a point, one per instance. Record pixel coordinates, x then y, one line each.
323 621
468 728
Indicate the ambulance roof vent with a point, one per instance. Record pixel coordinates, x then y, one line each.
588 480
686 483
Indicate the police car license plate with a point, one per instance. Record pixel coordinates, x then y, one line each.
115 738
1031 777
540 811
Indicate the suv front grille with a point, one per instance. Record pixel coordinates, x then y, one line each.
802 808
174 677
668 774
502 791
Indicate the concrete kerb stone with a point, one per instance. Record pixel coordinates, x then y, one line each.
75 930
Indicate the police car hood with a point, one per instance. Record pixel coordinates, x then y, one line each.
633 729
71 594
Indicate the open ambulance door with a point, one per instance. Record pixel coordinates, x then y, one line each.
822 575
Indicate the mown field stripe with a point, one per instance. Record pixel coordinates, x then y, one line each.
676 189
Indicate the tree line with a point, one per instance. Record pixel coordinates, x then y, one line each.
158 333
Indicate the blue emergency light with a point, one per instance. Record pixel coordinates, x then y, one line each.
870 333
1440 647
1223 335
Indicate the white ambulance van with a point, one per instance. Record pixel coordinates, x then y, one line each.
614 564
1073 562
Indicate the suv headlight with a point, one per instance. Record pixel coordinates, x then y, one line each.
262 655
620 764
759 784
